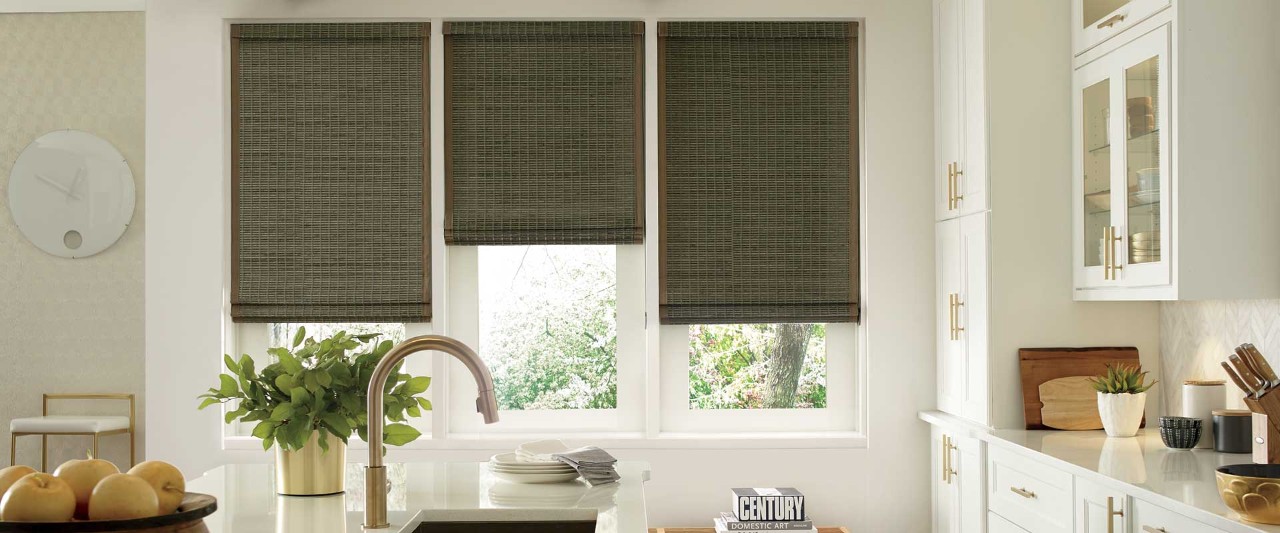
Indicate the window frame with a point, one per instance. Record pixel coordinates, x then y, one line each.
652 426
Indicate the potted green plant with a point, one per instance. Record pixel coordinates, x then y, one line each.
1122 397
311 399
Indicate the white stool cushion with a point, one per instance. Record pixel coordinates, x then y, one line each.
68 424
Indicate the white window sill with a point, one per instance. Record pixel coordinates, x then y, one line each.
618 441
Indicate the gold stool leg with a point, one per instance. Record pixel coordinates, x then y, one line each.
95 445
132 460
13 449
44 453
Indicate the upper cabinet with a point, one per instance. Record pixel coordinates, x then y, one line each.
1123 100
960 105
1173 194
1095 21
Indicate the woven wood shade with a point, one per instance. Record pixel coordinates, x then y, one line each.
544 133
758 176
329 173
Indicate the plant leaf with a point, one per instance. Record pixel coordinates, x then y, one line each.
282 412
299 396
416 385
337 423
207 402
267 442
264 429
229 387
425 403
285 382
231 364
297 337
290 363
400 434
231 415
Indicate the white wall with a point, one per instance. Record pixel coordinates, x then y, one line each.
186 260
70 325
1029 95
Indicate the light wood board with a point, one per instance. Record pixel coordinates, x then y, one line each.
1045 364
1070 403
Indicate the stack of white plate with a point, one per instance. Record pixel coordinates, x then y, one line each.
507 467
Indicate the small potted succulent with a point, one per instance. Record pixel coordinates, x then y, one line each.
311 399
1122 397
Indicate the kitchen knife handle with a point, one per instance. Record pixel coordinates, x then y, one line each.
1246 375
1261 364
1236 379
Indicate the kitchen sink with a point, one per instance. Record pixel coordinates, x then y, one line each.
506 521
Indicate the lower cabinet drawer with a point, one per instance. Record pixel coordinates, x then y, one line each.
1031 495
1151 518
997 524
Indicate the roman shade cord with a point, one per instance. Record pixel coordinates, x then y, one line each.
330 188
544 132
758 172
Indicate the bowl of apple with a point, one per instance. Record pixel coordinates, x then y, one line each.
86 495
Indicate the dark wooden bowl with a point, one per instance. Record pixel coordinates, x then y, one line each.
188 519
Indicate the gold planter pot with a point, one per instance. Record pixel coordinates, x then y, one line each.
311 471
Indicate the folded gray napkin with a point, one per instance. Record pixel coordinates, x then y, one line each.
593 464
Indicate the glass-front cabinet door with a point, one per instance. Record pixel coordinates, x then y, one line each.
1098 20
1121 174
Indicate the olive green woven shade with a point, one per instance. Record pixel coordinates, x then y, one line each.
329 183
544 137
759 177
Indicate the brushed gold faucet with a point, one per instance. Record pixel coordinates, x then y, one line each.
375 474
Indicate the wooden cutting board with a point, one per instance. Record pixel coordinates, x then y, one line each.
1069 403
1039 365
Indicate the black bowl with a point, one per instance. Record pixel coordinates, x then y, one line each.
1180 432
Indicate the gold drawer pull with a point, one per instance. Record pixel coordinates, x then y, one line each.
1150 529
1115 19
1112 513
1023 492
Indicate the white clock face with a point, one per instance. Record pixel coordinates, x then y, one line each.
71 193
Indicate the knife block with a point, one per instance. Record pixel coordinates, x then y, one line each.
1266 434
1266 440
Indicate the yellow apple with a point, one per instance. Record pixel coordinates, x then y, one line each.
11 475
166 479
38 497
123 497
82 475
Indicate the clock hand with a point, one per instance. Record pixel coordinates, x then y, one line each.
58 186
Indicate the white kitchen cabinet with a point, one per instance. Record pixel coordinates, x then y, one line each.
1151 518
1095 21
1099 509
962 307
1172 196
960 108
958 483
998 524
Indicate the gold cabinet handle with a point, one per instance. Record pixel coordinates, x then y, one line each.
959 328
1115 261
951 316
947 472
1112 513
1107 252
1150 529
1115 19
952 170
1023 492
956 173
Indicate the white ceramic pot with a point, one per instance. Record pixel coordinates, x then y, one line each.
1121 413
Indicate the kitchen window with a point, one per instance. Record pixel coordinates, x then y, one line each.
620 286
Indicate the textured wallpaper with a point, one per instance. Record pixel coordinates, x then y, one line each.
1196 336
70 325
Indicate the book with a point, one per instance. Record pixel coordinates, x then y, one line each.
784 504
726 527
731 523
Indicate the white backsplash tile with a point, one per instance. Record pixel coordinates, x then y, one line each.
1196 336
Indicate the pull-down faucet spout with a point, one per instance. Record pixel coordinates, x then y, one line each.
375 475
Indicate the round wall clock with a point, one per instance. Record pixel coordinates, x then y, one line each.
71 193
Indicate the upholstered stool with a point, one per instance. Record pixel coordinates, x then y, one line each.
97 426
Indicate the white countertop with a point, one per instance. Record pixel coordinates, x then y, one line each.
1181 480
247 501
